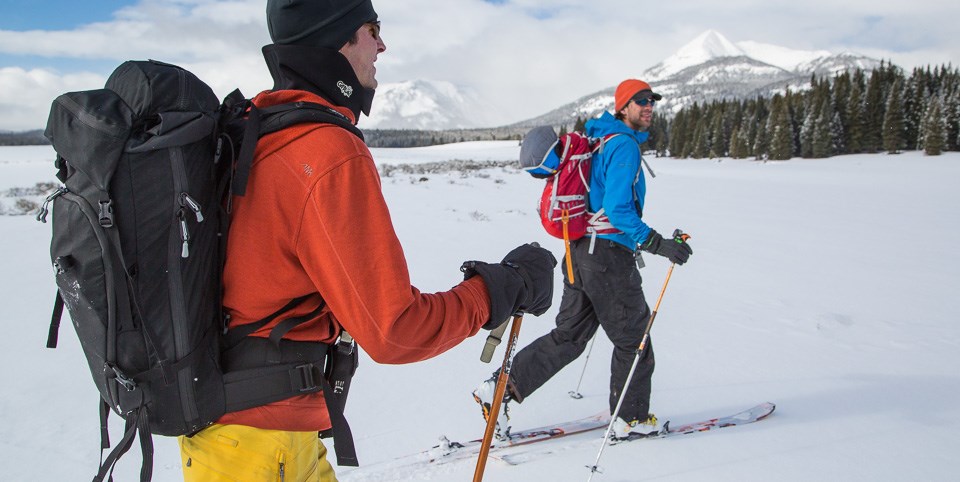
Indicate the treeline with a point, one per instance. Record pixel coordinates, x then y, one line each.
26 138
885 111
421 138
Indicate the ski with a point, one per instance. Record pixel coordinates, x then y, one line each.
448 450
525 445
747 416
750 415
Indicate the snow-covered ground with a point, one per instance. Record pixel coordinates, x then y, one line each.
823 286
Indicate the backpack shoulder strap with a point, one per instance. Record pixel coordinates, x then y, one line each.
267 120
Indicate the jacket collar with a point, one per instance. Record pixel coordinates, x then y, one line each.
321 71
607 124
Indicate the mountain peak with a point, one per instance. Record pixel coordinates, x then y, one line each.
710 44
706 46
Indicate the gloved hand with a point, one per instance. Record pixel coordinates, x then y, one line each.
521 283
676 250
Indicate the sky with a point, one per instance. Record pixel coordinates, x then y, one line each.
525 57
840 307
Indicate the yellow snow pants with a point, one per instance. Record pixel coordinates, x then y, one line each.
237 453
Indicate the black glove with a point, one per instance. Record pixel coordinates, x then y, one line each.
676 250
521 283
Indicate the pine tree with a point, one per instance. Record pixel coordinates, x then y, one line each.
760 142
854 109
951 114
700 149
692 131
913 108
873 113
842 87
778 127
822 135
662 128
893 135
795 105
580 125
734 148
933 131
717 144
677 132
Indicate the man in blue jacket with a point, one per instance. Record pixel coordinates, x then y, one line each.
607 288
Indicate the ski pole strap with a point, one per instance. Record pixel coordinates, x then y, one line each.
493 339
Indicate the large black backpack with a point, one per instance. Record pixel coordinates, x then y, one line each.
139 231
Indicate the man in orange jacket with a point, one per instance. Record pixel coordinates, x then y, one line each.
314 224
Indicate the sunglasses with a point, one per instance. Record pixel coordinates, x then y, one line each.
374 29
645 102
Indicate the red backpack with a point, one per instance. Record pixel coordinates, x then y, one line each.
565 164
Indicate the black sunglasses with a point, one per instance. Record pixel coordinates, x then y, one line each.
645 101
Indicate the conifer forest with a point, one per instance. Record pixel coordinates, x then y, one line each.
853 112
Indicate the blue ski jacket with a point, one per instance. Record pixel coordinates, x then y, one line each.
617 183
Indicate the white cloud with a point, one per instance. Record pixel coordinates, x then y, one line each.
525 56
26 95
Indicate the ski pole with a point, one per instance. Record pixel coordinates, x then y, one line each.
576 393
497 398
680 237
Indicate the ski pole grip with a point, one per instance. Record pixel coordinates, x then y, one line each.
680 236
493 339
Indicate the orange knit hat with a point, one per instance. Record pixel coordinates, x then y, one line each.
628 89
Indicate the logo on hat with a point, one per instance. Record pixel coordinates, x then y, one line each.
346 89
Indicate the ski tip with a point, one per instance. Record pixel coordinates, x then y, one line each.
770 406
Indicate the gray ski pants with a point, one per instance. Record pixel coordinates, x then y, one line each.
607 293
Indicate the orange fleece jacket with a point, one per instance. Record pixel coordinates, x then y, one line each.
314 220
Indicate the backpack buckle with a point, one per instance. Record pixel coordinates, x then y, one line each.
347 344
303 378
105 216
122 379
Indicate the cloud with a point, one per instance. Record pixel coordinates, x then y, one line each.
525 56
26 95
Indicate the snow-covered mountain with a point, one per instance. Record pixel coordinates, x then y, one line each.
711 67
425 104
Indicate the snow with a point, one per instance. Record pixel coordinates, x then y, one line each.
711 45
427 104
708 45
825 286
783 57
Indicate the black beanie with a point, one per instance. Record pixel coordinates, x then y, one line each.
317 23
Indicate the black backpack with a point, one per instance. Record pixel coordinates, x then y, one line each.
139 233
